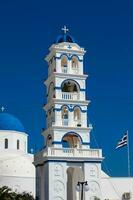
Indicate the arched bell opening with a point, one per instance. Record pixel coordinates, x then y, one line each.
70 90
75 64
77 116
64 115
74 174
64 65
71 140
70 86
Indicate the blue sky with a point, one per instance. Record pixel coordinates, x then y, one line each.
104 29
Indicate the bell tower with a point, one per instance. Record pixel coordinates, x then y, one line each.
67 157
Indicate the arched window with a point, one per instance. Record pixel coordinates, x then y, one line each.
77 116
6 143
18 144
71 140
64 64
74 62
70 86
64 115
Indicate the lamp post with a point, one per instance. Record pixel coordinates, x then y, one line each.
84 185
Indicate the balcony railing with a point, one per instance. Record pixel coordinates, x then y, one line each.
73 152
70 95
65 122
69 153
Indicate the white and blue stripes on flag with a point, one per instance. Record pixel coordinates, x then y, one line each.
122 142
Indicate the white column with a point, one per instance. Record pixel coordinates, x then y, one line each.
58 119
71 121
69 67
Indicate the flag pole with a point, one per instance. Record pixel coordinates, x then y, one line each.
128 154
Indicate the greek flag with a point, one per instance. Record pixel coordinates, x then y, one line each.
122 142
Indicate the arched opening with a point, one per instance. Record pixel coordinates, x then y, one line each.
74 174
77 116
64 115
70 90
64 64
6 143
18 144
75 64
71 140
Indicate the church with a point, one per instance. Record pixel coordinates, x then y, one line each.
67 167
16 164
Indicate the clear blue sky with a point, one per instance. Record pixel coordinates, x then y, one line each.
105 29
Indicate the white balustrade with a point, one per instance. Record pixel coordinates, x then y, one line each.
70 95
65 122
64 69
73 152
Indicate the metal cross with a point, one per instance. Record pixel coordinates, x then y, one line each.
2 108
65 29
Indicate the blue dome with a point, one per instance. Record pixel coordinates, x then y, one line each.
9 122
65 38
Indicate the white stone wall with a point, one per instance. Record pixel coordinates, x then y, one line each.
57 181
17 170
116 187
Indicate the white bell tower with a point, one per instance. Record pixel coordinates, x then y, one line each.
67 157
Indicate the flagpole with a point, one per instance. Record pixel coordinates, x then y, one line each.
128 154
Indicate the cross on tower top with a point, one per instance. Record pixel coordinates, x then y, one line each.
65 29
2 108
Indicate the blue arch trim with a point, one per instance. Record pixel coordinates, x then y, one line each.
70 132
69 56
70 80
71 109
74 55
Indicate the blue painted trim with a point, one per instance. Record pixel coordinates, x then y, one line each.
71 109
86 143
78 107
71 133
69 57
82 90
64 106
57 88
74 55
56 142
72 81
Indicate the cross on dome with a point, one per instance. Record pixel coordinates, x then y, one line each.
65 29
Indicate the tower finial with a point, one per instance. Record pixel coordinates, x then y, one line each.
65 29
2 108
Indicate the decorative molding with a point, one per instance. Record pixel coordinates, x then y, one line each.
69 56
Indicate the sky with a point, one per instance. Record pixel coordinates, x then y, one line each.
105 30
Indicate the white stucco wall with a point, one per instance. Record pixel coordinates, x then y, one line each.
115 187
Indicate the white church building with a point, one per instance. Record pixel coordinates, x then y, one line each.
16 164
67 160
